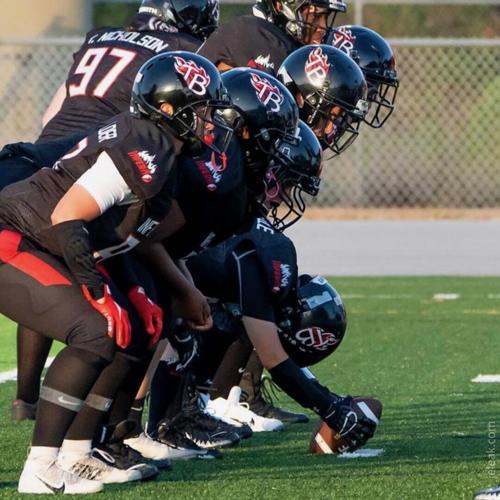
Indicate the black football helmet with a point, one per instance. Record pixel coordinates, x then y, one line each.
196 17
295 169
291 16
192 85
376 59
263 111
314 329
332 90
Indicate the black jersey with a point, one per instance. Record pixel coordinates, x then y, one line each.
135 151
99 83
256 269
213 198
249 41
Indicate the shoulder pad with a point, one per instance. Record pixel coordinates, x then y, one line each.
277 255
143 154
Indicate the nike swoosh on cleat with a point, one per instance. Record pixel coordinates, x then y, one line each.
55 489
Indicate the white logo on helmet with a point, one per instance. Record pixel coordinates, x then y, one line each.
317 67
343 39
316 338
197 79
267 93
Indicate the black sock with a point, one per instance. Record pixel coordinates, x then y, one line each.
66 385
164 388
32 352
230 370
136 411
98 402
127 391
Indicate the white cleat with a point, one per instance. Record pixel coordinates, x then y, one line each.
233 412
154 450
45 476
89 467
488 494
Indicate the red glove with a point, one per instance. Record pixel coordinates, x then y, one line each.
117 318
150 313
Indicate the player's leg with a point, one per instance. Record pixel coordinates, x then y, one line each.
38 291
125 370
256 391
32 352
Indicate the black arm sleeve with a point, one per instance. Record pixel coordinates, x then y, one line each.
74 242
307 392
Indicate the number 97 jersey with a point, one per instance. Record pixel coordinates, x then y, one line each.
99 83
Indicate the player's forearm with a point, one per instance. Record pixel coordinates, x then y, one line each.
307 392
166 269
74 242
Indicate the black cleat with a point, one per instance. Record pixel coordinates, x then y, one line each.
171 433
112 451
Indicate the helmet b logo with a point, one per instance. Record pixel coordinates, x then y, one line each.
317 67
267 92
316 338
196 77
343 39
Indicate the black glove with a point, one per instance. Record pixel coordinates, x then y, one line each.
356 429
185 342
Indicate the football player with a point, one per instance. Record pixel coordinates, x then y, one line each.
276 28
376 59
214 199
98 86
105 196
331 93
99 82
257 271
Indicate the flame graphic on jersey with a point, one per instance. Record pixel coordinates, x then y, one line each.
343 39
267 92
317 67
144 161
197 79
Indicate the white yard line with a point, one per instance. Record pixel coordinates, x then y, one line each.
12 374
487 379
363 453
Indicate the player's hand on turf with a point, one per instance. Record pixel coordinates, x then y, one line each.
354 427
117 318
149 312
193 308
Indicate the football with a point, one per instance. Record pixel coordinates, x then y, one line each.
325 440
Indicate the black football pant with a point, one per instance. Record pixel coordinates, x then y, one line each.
37 290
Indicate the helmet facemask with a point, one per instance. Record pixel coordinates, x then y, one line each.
335 126
200 124
382 99
310 21
285 185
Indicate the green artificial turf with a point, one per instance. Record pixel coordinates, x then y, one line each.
416 354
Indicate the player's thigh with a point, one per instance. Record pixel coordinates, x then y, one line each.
39 292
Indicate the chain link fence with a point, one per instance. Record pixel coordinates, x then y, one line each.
440 148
